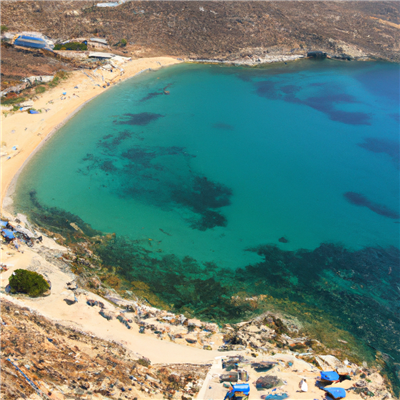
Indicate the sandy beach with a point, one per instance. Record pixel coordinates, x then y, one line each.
29 131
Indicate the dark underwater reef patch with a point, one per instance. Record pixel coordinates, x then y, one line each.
160 176
357 291
57 220
203 197
290 89
141 119
108 166
150 96
223 126
110 142
183 283
359 288
360 200
385 85
354 290
325 102
268 89
395 116
378 145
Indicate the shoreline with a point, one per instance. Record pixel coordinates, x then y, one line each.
11 187
10 178
91 324
35 138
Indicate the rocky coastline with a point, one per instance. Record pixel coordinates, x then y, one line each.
269 336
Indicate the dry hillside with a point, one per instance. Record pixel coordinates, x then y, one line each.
220 29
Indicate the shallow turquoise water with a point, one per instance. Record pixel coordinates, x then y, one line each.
286 163
233 158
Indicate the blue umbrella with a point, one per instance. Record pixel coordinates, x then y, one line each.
8 234
336 393
329 376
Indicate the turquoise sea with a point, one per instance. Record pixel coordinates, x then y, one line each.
282 180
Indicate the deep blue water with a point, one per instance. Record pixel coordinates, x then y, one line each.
210 161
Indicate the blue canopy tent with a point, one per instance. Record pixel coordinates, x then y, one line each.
30 41
336 393
330 376
3 223
8 234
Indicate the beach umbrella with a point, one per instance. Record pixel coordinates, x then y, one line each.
329 376
8 234
336 393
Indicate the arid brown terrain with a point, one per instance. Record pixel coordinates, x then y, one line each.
60 363
219 29
215 30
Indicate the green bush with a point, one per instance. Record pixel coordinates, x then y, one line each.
3 29
29 282
14 100
60 75
71 46
123 42
40 89
145 362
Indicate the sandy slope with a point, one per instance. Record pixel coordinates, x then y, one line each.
86 318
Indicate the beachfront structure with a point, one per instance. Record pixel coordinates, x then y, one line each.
96 54
99 41
30 42
111 4
38 79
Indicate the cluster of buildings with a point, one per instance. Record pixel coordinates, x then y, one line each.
111 4
35 40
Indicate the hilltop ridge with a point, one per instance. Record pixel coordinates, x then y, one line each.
225 30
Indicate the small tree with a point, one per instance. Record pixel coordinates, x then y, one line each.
3 29
123 42
29 282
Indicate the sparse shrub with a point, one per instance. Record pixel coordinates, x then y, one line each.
123 42
3 29
144 361
60 75
29 282
40 89
13 100
71 46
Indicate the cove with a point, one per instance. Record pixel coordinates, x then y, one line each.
279 181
